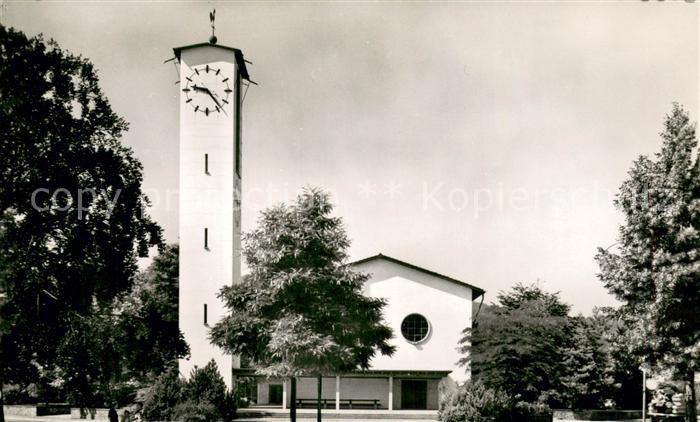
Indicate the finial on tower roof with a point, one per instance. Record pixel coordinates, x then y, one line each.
212 17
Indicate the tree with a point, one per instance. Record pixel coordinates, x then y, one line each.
587 379
148 319
656 271
532 296
89 360
71 203
516 345
161 397
4 323
204 396
201 397
300 310
617 335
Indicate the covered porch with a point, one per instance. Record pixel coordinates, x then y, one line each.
371 390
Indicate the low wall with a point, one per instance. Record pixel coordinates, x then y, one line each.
597 415
91 413
33 410
20 409
52 409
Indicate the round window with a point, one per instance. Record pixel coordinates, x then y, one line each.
415 328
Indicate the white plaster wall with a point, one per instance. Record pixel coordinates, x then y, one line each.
350 388
397 393
207 200
433 395
446 305
263 392
366 388
307 388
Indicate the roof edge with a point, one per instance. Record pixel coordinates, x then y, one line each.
237 52
366 373
476 291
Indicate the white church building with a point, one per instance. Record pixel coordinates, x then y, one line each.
426 310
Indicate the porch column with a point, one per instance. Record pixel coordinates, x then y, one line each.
337 392
284 395
391 393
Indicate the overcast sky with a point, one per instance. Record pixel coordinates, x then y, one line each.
481 140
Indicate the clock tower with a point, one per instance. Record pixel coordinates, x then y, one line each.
211 77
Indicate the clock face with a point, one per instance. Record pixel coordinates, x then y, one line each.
207 90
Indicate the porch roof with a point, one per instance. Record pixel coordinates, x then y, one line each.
370 373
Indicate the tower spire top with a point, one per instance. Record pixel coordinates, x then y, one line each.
212 18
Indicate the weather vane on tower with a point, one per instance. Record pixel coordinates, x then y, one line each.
212 17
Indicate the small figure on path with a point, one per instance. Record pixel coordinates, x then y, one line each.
126 416
112 414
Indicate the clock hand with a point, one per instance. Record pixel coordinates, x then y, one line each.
214 98
211 94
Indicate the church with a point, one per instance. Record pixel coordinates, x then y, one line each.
426 310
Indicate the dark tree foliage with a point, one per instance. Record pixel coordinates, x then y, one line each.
530 296
617 335
474 402
587 379
205 384
655 272
204 396
516 345
65 258
161 397
88 361
149 318
528 346
300 310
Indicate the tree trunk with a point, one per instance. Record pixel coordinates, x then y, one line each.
2 399
318 399
293 401
691 399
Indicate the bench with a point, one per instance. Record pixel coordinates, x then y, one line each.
348 403
52 409
660 416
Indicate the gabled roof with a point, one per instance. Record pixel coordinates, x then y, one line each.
238 53
476 291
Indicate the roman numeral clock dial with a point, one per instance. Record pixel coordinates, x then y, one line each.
207 90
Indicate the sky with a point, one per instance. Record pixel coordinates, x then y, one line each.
482 140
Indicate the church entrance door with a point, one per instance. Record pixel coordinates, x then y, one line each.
414 394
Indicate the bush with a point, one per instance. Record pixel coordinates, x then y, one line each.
15 394
229 406
204 396
473 402
201 398
191 410
160 400
206 385
524 411
123 393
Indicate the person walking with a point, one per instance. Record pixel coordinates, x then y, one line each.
112 414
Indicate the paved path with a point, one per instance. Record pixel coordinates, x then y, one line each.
66 418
